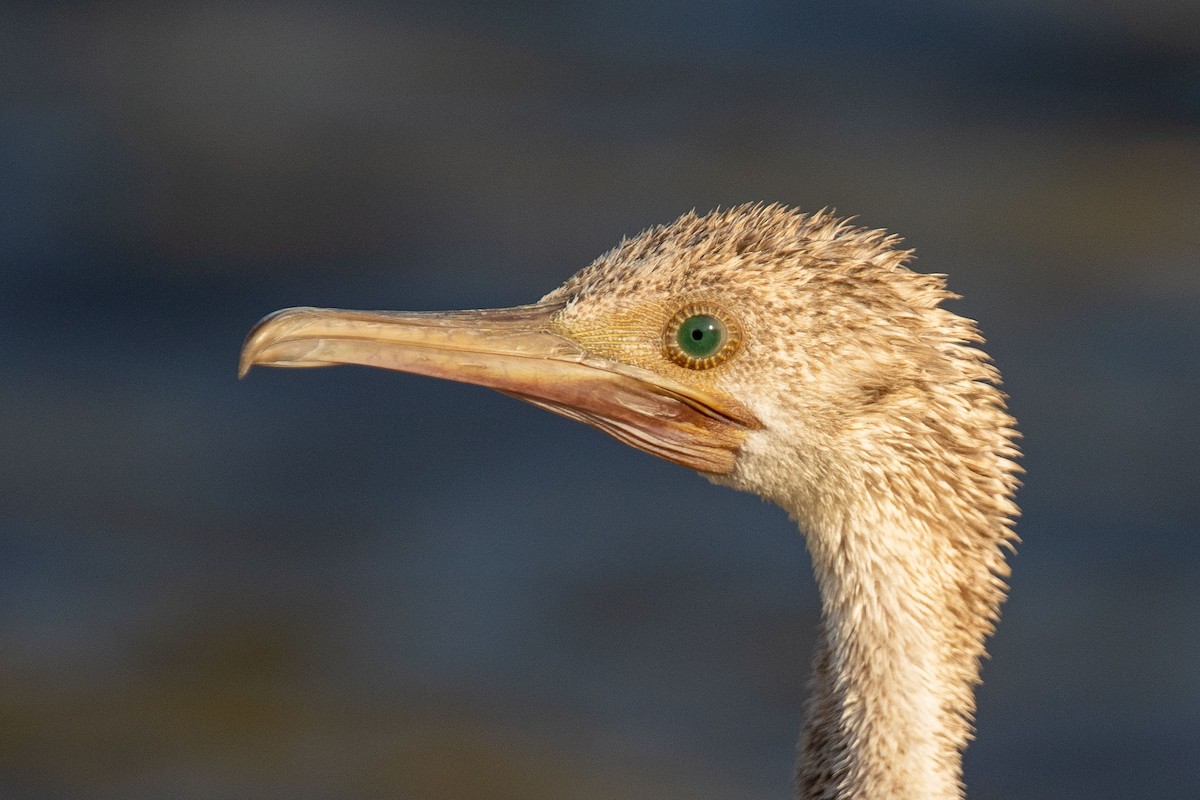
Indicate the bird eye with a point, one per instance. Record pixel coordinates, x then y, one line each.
700 337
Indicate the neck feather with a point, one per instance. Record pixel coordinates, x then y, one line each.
891 698
891 446
909 556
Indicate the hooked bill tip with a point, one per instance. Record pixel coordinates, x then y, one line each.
259 337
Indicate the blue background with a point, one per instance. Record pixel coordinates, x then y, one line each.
354 584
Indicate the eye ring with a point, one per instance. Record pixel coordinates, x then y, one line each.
701 336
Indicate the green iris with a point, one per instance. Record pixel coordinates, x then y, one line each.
701 336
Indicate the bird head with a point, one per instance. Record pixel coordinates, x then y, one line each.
743 344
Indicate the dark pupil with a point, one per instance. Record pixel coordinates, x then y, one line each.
701 336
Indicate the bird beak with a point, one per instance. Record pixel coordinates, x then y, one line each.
515 351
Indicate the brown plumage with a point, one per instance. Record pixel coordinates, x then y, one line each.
839 388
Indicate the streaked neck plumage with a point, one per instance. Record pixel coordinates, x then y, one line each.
908 522
895 668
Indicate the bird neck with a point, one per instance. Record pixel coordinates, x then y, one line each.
907 598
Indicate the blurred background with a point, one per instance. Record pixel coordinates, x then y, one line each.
354 584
